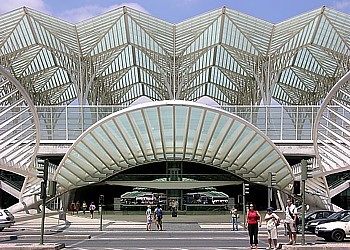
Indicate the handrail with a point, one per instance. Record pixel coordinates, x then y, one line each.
343 179
278 122
11 183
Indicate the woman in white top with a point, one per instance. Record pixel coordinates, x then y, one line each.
149 217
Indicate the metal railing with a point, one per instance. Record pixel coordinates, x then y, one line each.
279 123
345 177
11 183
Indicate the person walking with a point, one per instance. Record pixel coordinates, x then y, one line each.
234 217
84 206
158 215
77 206
253 222
149 217
271 224
291 221
92 208
72 207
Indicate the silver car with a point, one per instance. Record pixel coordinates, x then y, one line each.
6 219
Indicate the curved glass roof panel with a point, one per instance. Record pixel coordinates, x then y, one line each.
172 131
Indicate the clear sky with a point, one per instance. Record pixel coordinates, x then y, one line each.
174 11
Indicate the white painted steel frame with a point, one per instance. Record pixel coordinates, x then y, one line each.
332 129
123 54
19 131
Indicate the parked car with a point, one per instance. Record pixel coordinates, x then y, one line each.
311 225
334 231
6 219
317 214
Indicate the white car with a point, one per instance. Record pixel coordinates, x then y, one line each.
334 231
6 219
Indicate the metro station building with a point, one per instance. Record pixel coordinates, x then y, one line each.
127 100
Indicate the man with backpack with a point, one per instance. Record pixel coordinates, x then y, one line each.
158 216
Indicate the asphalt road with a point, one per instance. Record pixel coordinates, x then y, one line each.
129 232
139 239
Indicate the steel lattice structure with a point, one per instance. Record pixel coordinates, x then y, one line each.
19 132
229 56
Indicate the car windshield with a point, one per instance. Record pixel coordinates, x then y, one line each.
346 218
333 216
311 216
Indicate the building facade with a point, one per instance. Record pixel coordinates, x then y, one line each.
148 91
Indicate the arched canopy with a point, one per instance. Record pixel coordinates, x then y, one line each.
172 131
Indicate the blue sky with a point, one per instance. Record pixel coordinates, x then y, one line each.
174 10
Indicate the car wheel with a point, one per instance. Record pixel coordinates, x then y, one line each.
338 235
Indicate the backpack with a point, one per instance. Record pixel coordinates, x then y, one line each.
278 222
159 213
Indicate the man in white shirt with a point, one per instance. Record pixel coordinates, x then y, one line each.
271 219
291 221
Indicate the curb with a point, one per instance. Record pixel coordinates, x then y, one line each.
47 237
29 246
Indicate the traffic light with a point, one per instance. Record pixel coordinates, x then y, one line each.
43 169
271 179
306 169
52 188
43 190
296 187
246 188
101 199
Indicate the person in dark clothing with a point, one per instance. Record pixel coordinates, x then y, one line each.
158 215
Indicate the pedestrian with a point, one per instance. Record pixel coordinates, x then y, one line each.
84 206
234 217
291 221
72 207
92 208
158 215
272 220
149 217
77 206
253 222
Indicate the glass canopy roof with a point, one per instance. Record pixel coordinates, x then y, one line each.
123 54
172 131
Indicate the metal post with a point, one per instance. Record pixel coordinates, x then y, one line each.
243 205
43 215
269 196
303 213
100 217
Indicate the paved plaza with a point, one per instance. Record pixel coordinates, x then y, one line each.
126 229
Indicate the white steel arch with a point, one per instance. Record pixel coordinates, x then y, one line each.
172 131
19 131
332 129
